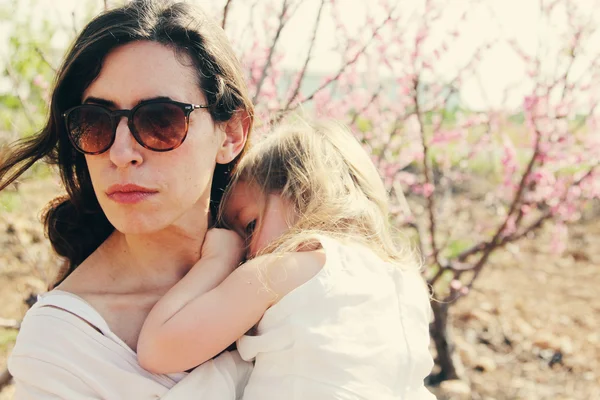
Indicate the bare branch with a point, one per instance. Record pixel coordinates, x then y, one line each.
349 62
250 27
581 123
546 215
374 97
386 145
438 274
496 239
24 104
44 59
74 23
308 57
225 12
427 173
505 240
282 22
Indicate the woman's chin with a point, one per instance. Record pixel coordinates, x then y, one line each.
150 220
136 224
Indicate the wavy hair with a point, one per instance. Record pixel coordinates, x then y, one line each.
75 223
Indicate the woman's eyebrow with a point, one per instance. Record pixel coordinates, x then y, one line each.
157 98
112 104
99 101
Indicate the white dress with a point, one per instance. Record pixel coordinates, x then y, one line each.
359 329
66 350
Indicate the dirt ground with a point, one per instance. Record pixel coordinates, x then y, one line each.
530 329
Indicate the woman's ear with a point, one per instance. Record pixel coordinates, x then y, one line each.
236 135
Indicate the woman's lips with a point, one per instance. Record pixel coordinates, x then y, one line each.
129 193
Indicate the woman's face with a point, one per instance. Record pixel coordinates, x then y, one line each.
140 190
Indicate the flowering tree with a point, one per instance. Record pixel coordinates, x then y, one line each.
394 88
395 73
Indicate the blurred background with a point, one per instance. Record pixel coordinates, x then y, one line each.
482 116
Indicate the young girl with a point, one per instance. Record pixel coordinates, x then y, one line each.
338 311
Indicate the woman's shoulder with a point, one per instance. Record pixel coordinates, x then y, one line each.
50 345
55 320
61 353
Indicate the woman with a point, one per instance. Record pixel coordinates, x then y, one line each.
148 115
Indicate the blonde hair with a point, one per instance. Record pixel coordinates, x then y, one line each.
325 174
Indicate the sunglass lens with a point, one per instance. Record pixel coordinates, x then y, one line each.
160 126
90 129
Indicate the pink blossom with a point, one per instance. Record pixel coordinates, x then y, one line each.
40 82
395 53
443 137
428 190
414 55
509 163
421 35
510 227
406 178
530 102
456 284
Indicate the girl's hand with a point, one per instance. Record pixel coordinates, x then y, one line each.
225 245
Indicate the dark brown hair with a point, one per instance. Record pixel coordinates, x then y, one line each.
75 223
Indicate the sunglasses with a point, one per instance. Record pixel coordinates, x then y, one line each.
158 125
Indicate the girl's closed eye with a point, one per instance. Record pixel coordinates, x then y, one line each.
249 230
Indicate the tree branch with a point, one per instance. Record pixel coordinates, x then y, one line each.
44 59
386 145
427 173
307 60
535 225
546 215
521 188
282 22
348 63
374 97
225 13
24 104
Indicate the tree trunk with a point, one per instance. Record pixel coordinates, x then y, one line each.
443 345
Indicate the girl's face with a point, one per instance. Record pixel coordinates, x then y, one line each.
258 218
140 190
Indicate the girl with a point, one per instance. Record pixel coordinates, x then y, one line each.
339 311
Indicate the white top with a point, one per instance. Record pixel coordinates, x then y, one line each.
65 350
359 329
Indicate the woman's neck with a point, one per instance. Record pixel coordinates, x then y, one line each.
153 261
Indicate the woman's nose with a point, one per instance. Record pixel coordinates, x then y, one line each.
125 151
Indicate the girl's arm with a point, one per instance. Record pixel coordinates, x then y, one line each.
222 252
212 321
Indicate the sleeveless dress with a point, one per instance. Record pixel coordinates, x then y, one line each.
66 350
359 329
